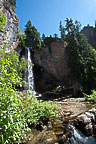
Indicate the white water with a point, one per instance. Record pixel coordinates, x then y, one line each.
31 86
79 138
30 72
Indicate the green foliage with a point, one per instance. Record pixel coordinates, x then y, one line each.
16 111
55 35
33 39
2 22
91 97
82 57
62 31
12 122
22 38
13 3
43 39
37 111
0 5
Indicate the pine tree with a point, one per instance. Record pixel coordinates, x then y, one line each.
81 56
33 39
43 38
62 31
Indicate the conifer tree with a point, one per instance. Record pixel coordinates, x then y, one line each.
62 31
33 39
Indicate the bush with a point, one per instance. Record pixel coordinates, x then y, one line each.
91 97
12 121
37 111
2 22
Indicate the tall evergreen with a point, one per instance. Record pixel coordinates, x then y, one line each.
43 38
82 56
62 31
33 39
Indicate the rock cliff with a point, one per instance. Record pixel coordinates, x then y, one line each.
90 33
10 36
52 63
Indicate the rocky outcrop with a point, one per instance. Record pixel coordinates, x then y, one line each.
10 36
86 122
52 63
53 58
90 33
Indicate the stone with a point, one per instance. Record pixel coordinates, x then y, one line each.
49 141
83 119
86 122
53 64
90 115
90 33
89 129
11 27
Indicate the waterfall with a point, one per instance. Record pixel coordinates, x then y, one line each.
30 72
79 138
30 75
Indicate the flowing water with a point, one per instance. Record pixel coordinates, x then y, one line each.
31 86
30 72
79 138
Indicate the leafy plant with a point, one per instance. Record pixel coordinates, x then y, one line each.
12 121
91 97
2 22
22 38
37 111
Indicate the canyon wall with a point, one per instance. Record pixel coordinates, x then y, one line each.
10 35
90 33
52 61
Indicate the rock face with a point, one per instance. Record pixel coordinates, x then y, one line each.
90 33
10 36
86 122
52 60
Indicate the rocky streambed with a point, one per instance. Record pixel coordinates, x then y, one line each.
76 115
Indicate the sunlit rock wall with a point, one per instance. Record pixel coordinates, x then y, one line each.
10 35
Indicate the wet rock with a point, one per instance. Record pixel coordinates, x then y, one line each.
86 122
49 141
94 129
89 129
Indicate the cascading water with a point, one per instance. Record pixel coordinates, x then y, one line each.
30 72
79 138
30 75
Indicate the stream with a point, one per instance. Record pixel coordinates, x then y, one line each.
79 138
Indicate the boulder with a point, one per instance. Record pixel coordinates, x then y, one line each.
86 122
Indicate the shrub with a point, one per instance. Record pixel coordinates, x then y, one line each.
91 97
37 111
12 121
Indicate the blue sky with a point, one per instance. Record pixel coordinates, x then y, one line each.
45 15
